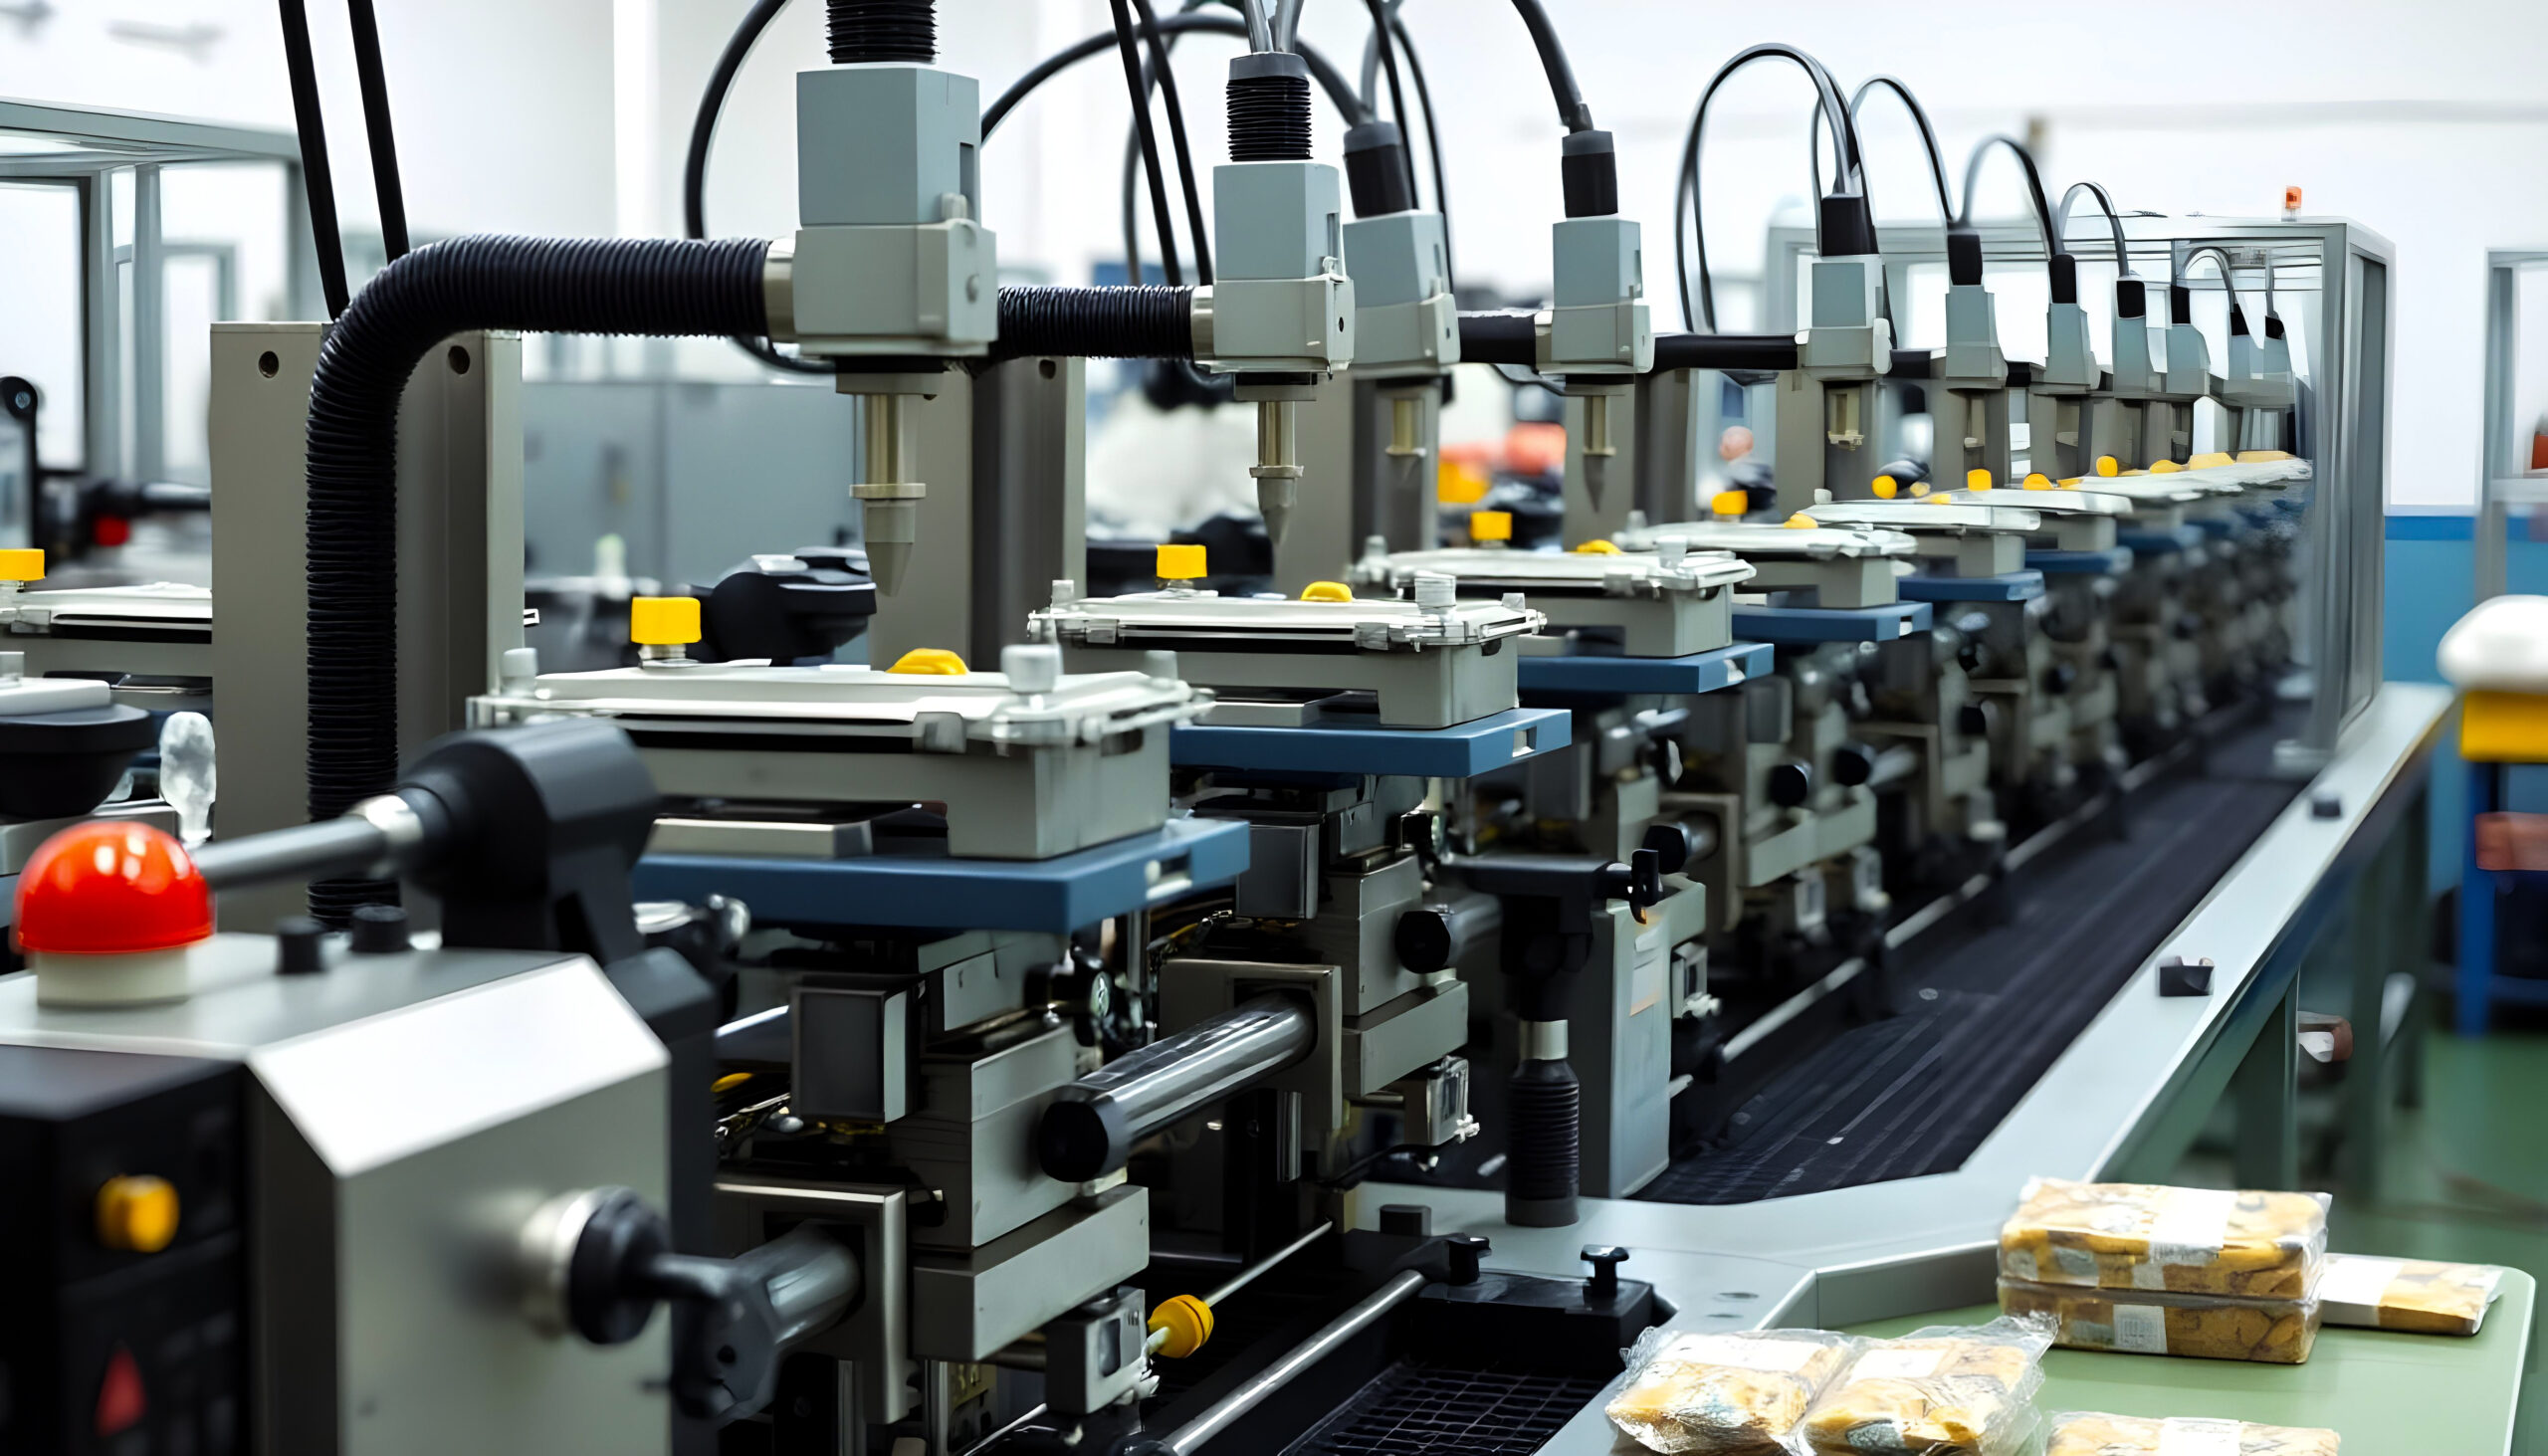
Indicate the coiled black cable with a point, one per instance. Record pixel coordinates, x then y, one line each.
649 286
1096 324
866 31
1269 113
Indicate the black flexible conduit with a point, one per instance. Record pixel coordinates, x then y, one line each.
646 286
861 31
374 84
1096 324
318 180
1510 337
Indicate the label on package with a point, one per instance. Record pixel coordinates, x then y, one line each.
1897 1364
2351 1289
2185 1435
1742 1353
2141 1329
2073 1265
2190 1225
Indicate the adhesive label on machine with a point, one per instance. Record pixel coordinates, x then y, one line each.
2190 1228
1897 1364
2141 1329
1646 977
1743 1353
2187 1435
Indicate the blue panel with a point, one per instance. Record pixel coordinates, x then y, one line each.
933 891
2432 526
2014 586
1799 626
1462 750
1700 672
2113 561
2160 542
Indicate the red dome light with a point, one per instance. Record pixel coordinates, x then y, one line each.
110 888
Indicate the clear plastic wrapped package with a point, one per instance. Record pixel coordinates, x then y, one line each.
2253 1245
2157 1321
2416 1295
2087 1434
1724 1394
1941 1391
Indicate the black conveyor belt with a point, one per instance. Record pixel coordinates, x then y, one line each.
1986 1008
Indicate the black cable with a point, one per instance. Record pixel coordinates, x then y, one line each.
2177 275
1124 43
1570 108
1928 138
1433 144
2035 188
1328 79
2061 223
317 180
1198 233
1398 97
694 171
1689 222
374 84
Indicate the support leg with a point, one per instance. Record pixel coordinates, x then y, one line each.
2266 1153
2476 907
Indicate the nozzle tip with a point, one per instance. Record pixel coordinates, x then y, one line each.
887 561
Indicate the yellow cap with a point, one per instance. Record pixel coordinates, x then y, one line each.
1730 503
1941 499
2258 456
2164 467
2039 481
1884 486
2106 465
1327 591
730 1082
1799 521
21 563
2069 483
935 662
1188 1320
1490 525
1180 563
1918 488
1597 547
663 621
136 1213
1459 483
1977 480
2208 459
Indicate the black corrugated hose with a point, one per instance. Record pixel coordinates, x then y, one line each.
544 284
1146 323
866 31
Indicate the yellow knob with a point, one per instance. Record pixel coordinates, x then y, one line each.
2039 481
1180 563
21 563
1977 480
2069 482
1799 521
1731 503
136 1213
1918 488
2106 465
2164 467
729 1082
1188 1320
934 662
1885 487
2259 457
1459 483
2208 459
1327 591
1597 547
1490 525
663 621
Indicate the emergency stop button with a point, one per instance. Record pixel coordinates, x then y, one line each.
136 1213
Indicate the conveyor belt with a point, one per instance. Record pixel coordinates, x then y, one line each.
1985 1009
1415 1408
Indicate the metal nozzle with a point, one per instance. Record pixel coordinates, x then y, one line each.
1278 467
889 509
1598 449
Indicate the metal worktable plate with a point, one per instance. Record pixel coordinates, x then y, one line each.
1806 626
2013 586
2110 562
1059 895
1462 750
1700 672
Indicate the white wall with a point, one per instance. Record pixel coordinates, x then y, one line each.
2423 121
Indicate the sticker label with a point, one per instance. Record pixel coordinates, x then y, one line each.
2141 1329
2185 1435
2352 1281
1897 1364
1742 1353
2190 1225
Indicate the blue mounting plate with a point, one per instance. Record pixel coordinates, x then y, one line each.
2013 586
2160 542
2112 561
1806 626
1462 750
1700 672
1058 894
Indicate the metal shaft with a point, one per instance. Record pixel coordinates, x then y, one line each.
379 837
1226 1412
1092 1124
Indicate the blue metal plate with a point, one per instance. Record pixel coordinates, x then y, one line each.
1462 750
1700 672
1058 894
2113 561
1803 626
2013 586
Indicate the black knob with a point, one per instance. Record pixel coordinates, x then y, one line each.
1639 881
1466 1250
379 930
2059 677
1426 940
1671 845
1969 656
299 941
1973 720
1791 785
2110 660
1852 764
1605 1260
1407 1220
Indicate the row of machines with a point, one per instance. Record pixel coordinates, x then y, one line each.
935 1057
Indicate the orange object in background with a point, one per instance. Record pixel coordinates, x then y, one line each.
1459 482
2513 842
2539 445
1536 448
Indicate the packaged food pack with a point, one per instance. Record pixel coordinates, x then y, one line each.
2416 1296
2158 1322
1940 1391
2089 1434
2253 1245
1724 1394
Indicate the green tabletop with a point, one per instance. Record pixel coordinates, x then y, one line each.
2386 1395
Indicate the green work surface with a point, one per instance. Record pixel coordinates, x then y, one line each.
2386 1395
